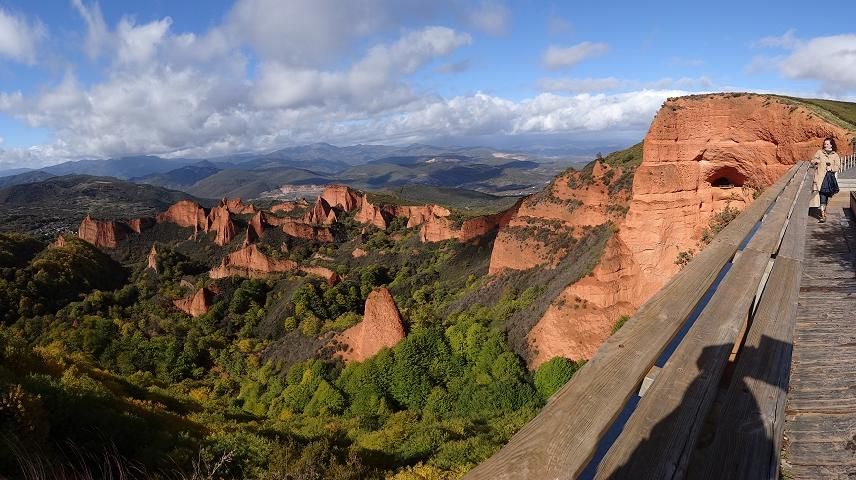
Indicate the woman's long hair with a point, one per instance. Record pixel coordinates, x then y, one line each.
831 141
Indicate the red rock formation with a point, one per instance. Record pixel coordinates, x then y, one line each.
331 277
381 327
59 242
373 215
152 259
140 224
573 200
103 234
250 262
342 196
419 214
250 236
359 252
693 144
284 207
237 207
185 213
195 305
258 223
298 229
220 222
320 214
438 229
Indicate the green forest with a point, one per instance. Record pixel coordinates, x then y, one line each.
101 376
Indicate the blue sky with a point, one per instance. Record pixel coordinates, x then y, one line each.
86 79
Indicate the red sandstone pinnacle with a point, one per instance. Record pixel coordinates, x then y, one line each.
381 327
220 221
185 213
195 305
320 214
236 206
373 215
152 259
250 262
140 224
258 223
693 144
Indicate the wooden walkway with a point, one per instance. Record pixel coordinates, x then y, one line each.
820 428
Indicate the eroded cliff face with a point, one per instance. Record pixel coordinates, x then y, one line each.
185 213
381 327
540 230
103 233
701 154
152 259
342 196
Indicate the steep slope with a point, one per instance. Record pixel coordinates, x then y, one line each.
702 154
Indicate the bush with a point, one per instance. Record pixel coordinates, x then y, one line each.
552 375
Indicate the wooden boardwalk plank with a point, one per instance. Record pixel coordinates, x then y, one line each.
820 432
747 438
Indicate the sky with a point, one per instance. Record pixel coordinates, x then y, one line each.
88 79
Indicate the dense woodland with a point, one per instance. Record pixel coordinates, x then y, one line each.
100 374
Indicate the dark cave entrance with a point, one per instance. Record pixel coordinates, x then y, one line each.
726 177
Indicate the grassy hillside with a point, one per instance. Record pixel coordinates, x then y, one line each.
842 114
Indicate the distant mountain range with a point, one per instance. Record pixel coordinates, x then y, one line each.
362 166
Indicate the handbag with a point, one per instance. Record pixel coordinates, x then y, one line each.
829 187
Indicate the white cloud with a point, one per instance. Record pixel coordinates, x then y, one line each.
97 34
830 60
491 17
788 40
2 140
564 57
19 37
580 85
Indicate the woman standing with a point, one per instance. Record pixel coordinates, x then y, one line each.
825 160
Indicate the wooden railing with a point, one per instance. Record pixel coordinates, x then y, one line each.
730 312
848 162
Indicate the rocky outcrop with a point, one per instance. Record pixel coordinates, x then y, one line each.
152 259
237 207
285 207
137 225
701 153
440 228
342 196
250 262
378 216
220 222
417 215
195 305
544 225
299 229
381 327
331 277
185 213
258 223
103 233
320 214
250 236
59 242
358 253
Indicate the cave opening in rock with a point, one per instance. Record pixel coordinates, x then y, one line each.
726 177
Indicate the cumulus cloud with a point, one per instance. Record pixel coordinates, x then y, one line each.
184 94
20 37
564 57
830 60
491 17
